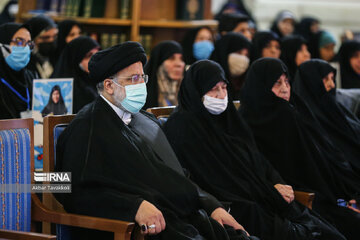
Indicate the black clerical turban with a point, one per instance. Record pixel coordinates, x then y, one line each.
107 62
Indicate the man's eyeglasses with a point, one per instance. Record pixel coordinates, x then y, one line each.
134 79
20 42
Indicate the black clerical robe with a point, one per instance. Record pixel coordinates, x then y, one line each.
115 167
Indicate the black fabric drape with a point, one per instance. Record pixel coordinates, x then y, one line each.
159 54
230 43
303 28
114 169
341 125
289 135
11 105
313 44
289 48
7 32
68 67
187 44
260 41
349 78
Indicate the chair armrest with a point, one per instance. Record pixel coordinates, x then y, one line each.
304 198
19 235
39 212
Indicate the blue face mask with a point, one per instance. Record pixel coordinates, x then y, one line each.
135 97
18 58
202 50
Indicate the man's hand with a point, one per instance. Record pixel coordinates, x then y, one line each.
148 215
223 217
286 192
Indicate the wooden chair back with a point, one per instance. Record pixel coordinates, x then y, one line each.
161 111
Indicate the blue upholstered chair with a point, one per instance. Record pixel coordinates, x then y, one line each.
53 126
16 167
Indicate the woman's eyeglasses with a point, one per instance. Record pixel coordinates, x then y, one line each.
20 42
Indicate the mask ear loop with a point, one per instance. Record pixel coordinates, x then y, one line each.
5 49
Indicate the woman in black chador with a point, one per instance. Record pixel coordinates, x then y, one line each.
314 83
56 105
294 52
349 55
73 63
291 138
232 52
214 143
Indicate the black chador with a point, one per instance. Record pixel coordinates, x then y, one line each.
341 125
291 138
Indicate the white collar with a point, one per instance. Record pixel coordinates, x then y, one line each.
123 115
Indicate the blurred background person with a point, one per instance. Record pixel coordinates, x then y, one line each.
44 33
73 63
232 52
198 44
265 44
165 70
284 24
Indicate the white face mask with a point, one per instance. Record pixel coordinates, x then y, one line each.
238 64
215 105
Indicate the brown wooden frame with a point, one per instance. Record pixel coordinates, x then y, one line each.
161 111
52 211
304 198
20 235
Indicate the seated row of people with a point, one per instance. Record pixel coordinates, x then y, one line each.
124 164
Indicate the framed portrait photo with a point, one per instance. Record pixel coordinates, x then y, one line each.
53 96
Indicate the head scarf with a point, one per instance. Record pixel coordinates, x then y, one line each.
108 62
289 48
304 27
68 67
230 43
159 54
39 24
64 30
7 31
236 6
11 105
280 17
229 21
58 108
349 78
188 42
260 41
319 40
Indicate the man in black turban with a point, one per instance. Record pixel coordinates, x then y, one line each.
123 166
